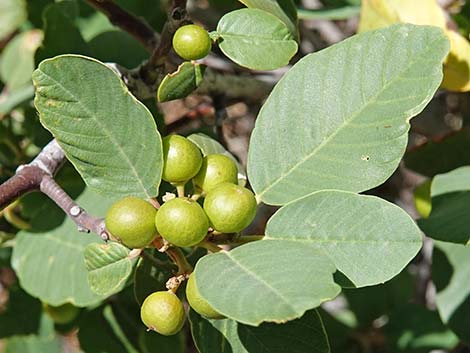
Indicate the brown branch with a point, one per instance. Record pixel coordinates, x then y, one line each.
135 26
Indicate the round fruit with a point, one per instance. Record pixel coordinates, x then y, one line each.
182 222
192 42
62 314
230 208
182 159
163 312
132 220
198 303
216 169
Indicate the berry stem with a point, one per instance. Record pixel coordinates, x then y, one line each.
176 255
180 190
206 244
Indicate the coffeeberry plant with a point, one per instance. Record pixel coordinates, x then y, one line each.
242 176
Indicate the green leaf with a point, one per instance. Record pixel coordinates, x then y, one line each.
17 63
232 337
107 134
339 119
210 146
255 39
450 214
368 239
280 272
337 13
182 82
152 342
283 9
109 266
12 15
61 36
16 98
413 328
450 273
50 265
441 156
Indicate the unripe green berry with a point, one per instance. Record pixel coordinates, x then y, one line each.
62 314
163 312
192 42
198 303
230 208
132 220
182 159
216 169
182 222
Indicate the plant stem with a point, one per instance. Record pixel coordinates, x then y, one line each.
184 267
206 244
180 190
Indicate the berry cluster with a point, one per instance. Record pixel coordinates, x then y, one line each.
182 221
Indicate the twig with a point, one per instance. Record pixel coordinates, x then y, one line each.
135 26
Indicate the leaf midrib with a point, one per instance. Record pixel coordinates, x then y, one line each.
346 122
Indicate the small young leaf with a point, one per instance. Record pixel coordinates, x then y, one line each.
255 39
228 335
339 119
285 10
181 83
107 134
109 266
368 239
278 272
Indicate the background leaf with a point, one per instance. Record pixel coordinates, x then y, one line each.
255 39
280 272
50 265
283 9
350 104
12 15
109 266
232 337
109 136
368 239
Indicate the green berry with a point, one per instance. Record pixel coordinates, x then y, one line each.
216 169
182 159
230 208
182 222
198 303
192 42
132 220
62 314
163 312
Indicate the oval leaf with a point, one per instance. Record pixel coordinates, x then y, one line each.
181 83
216 335
285 10
339 118
266 269
256 39
108 135
12 15
368 239
50 265
109 266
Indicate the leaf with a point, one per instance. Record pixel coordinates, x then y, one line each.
450 214
255 39
12 15
280 272
232 337
152 342
109 266
182 82
450 273
50 265
339 13
283 9
107 134
61 36
381 13
440 156
368 239
17 63
339 119
16 98
210 146
413 328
